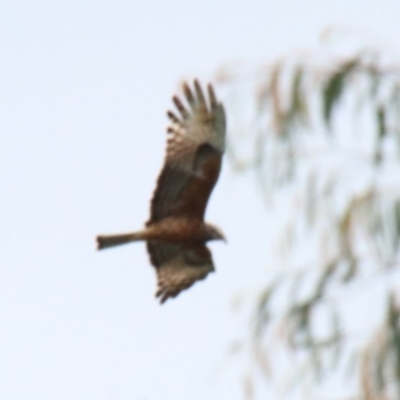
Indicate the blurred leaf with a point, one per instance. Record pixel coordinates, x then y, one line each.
259 151
381 131
263 95
248 387
286 121
262 359
333 88
393 322
350 272
366 383
379 366
276 98
381 122
355 227
375 82
262 313
329 270
337 332
393 223
395 104
297 113
344 223
397 221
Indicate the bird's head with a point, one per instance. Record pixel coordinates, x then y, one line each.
215 233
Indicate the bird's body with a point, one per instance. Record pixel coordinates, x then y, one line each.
176 232
169 230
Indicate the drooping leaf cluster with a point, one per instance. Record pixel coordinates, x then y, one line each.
322 134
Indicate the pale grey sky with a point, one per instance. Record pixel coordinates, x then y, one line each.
84 86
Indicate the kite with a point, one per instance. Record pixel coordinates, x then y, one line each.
176 233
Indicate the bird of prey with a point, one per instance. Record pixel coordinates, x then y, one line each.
176 233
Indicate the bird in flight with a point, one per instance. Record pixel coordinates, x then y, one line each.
176 233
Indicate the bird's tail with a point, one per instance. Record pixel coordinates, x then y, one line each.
105 241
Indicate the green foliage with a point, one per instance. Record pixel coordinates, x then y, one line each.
334 87
353 218
394 329
381 122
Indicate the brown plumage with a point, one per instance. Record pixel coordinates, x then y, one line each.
176 232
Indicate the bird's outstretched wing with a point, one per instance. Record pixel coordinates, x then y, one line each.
178 266
192 164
